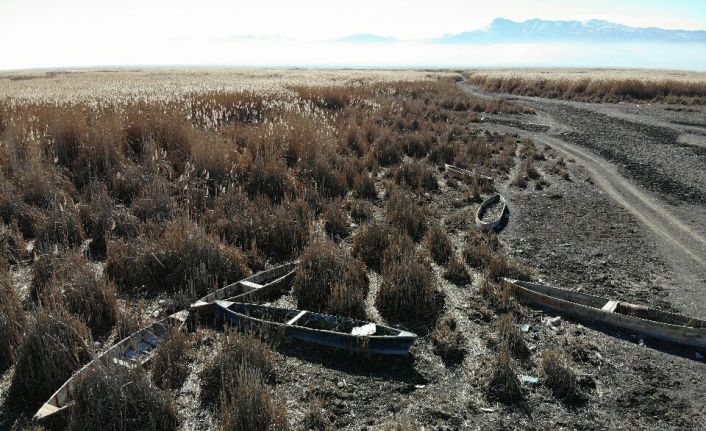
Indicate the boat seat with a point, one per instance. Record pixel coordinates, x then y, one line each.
297 317
610 306
46 410
250 284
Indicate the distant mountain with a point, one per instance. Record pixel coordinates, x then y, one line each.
503 30
367 38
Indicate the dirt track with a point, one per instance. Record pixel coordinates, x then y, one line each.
648 195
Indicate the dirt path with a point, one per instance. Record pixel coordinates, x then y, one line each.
684 246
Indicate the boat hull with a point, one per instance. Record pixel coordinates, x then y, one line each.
134 350
587 308
492 224
272 283
368 344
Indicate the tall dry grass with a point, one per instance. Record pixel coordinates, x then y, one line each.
603 89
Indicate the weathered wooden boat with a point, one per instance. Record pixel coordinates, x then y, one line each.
489 225
637 319
332 331
263 285
465 174
134 350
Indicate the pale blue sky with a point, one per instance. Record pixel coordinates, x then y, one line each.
36 33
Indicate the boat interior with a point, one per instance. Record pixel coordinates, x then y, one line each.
613 306
306 319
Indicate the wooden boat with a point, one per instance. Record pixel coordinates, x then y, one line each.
637 319
464 174
263 285
491 224
332 331
135 350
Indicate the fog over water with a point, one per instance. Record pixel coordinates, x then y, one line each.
283 52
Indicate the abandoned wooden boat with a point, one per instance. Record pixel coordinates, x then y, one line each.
263 285
322 329
136 349
489 225
637 319
464 174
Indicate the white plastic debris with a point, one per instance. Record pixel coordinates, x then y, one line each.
698 356
529 380
364 330
554 321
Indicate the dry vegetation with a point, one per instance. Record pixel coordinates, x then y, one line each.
597 85
119 398
130 206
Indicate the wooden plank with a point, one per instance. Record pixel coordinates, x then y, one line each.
250 284
297 317
46 410
610 306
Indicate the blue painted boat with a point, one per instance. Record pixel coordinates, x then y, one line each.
337 332
264 285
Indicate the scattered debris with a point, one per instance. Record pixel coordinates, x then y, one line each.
529 380
553 321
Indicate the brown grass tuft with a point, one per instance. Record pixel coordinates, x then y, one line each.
181 257
119 398
68 281
237 377
439 244
525 173
389 151
154 202
55 345
12 320
336 221
456 272
415 176
169 366
364 187
269 178
408 290
509 335
361 211
315 417
370 243
503 384
481 253
59 228
559 377
280 231
238 350
251 406
13 247
448 341
328 279
408 216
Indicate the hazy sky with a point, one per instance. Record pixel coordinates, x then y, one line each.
36 33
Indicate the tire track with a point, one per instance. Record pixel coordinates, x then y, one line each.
676 234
